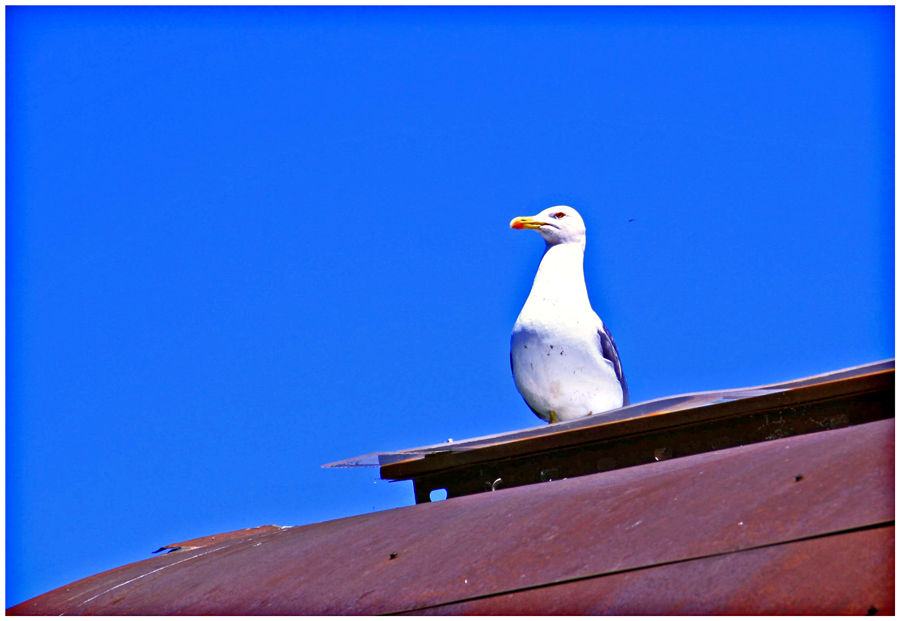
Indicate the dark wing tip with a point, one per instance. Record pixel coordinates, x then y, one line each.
608 348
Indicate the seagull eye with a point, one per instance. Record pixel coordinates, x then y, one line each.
559 214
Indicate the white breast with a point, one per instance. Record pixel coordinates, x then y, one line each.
555 349
560 368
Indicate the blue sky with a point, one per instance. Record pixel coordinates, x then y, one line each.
244 242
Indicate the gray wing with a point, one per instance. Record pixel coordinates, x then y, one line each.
608 348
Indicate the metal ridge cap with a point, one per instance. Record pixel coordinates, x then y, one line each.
654 407
678 402
557 438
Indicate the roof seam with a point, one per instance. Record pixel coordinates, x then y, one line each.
843 531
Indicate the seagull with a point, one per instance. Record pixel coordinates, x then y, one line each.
564 360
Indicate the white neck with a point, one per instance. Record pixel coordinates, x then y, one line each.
560 276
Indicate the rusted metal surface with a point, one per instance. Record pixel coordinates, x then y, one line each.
583 447
566 435
511 540
655 414
633 447
846 574
202 542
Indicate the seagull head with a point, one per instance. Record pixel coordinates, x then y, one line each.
557 225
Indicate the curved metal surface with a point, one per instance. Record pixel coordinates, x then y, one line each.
846 574
202 542
476 546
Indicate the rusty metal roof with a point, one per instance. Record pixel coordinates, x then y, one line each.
862 560
795 525
644 433
202 542
655 413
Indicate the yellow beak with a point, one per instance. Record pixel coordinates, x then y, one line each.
525 222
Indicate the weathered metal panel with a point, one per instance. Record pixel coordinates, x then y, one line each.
202 542
846 574
514 539
654 414
808 408
647 446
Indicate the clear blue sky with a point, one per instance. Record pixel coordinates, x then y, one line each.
244 242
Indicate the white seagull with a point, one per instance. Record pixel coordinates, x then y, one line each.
563 358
